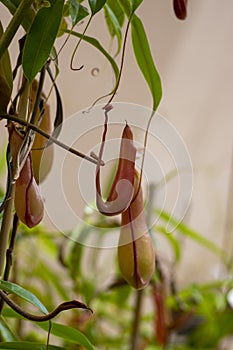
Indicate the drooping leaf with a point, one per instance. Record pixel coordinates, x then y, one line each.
113 25
41 37
48 273
6 79
96 5
94 42
24 294
145 60
173 242
117 10
68 333
28 346
126 6
77 251
77 12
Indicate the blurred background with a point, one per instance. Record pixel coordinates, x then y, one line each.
194 58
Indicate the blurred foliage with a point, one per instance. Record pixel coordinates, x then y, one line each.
199 316
49 267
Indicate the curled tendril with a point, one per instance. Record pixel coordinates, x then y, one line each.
68 305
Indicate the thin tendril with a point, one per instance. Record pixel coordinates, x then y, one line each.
64 44
98 188
143 155
122 62
76 47
48 336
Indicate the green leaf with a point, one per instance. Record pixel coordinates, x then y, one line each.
28 346
126 7
46 272
28 15
3 160
65 332
5 331
136 4
6 79
94 42
63 26
96 5
117 10
77 12
130 6
113 25
145 60
68 333
185 230
24 294
7 312
41 37
172 240
77 251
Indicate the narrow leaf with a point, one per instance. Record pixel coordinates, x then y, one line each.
145 60
113 25
96 5
24 294
47 273
41 37
68 333
173 242
117 10
65 332
6 79
126 7
77 251
28 346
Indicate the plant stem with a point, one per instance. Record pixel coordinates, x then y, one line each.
5 227
9 255
139 295
113 93
47 136
13 26
11 248
136 320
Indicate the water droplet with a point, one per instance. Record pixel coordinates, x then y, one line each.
95 71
